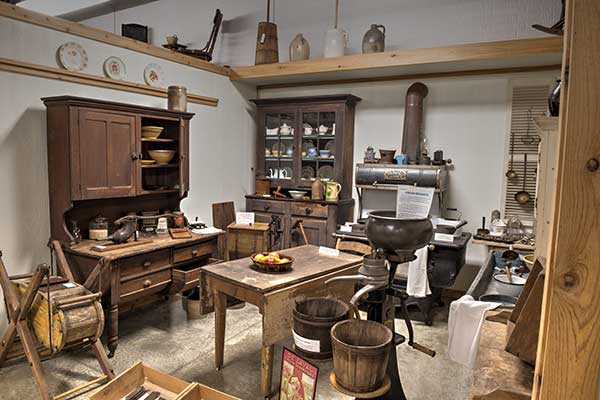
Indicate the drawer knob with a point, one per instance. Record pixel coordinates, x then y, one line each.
147 264
147 283
194 253
267 206
308 211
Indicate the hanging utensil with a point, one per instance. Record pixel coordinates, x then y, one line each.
528 139
523 196
511 173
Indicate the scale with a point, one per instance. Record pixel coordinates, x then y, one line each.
395 241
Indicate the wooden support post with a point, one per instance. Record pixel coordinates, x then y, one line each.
266 371
61 261
568 358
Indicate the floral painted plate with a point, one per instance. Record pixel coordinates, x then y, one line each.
72 56
114 68
154 75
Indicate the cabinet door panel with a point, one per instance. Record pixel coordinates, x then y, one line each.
106 145
315 229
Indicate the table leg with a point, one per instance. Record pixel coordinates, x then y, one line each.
220 302
113 311
266 372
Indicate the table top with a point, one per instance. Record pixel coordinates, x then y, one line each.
308 264
515 246
84 248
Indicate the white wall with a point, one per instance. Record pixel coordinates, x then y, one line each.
221 138
465 117
410 23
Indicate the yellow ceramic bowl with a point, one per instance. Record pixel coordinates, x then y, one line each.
529 260
151 132
161 156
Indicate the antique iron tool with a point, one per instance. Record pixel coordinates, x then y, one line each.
395 241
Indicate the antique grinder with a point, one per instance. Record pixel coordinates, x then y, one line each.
395 241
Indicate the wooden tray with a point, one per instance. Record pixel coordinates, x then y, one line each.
168 386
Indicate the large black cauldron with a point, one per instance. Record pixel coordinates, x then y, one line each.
402 236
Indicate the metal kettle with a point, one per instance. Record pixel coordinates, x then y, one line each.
374 39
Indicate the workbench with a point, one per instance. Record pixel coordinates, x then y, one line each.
160 265
275 294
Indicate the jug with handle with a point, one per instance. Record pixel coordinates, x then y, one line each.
332 191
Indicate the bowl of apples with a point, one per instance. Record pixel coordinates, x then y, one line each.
272 262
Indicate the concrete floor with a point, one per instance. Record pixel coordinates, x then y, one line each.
163 338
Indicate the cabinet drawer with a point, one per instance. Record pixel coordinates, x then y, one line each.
186 277
192 251
307 209
144 263
268 206
144 285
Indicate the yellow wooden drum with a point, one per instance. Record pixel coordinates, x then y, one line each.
75 314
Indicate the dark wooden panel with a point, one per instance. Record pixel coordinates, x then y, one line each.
307 209
106 149
315 229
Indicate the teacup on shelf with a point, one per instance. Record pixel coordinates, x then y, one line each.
323 130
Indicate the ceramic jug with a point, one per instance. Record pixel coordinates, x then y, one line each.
317 189
374 40
335 42
299 48
332 191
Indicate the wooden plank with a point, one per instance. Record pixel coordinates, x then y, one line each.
495 369
42 71
74 28
569 347
522 53
410 77
308 264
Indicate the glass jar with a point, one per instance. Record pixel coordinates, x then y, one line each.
177 98
98 228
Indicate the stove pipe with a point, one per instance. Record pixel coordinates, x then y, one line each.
413 120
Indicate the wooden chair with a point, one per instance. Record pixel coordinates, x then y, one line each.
223 214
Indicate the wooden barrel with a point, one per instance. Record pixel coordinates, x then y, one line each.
360 354
313 320
267 50
75 315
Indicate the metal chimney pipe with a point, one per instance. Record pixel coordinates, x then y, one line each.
413 121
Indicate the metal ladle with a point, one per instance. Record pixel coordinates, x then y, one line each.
523 196
511 173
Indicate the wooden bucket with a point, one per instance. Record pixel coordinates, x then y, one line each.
313 320
360 354
75 315
267 50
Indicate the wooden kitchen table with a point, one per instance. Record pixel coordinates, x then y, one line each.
274 294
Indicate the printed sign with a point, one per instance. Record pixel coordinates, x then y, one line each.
298 378
413 201
246 218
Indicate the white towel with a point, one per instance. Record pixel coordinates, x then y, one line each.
417 284
464 328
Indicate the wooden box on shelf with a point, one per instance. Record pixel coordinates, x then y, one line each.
244 240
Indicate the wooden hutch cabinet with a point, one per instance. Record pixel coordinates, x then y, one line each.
299 138
97 165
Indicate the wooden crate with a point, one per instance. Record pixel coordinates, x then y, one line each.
244 240
169 387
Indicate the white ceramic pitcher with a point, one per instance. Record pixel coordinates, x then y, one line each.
336 40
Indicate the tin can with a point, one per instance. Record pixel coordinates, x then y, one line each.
177 98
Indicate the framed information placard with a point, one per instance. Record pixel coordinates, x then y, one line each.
298 377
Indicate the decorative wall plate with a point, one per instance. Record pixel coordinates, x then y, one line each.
308 172
326 172
114 68
154 75
72 56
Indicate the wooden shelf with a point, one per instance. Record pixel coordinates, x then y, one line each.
465 59
160 166
147 192
326 137
159 140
